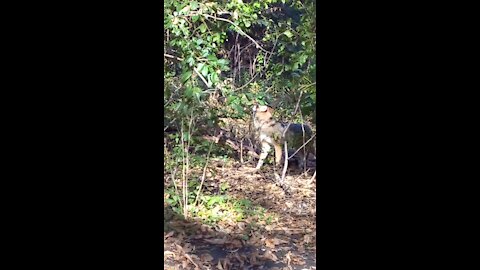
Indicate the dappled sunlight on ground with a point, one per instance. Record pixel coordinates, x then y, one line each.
279 232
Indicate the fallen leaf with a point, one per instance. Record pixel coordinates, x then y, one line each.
270 256
168 234
190 259
241 259
226 264
288 259
219 265
168 253
206 257
297 260
179 248
270 243
216 241
235 244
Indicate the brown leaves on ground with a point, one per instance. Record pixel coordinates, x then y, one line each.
285 240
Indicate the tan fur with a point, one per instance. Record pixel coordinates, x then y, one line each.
270 133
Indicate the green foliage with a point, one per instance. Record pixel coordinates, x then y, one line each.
201 35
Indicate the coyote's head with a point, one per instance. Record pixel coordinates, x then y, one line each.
262 112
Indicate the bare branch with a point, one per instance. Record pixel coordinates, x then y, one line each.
173 57
313 177
298 103
301 147
194 69
241 87
239 30
285 165
203 175
201 77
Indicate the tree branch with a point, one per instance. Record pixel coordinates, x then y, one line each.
301 147
194 69
239 30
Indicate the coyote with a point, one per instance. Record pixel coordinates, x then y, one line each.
270 132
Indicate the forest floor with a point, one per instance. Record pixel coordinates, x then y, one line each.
279 232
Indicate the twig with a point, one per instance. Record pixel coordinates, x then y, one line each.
241 151
313 136
313 177
246 47
234 145
169 124
190 259
204 173
239 30
306 86
184 174
194 69
201 77
285 130
298 103
285 165
238 60
175 185
298 177
241 87
173 57
265 60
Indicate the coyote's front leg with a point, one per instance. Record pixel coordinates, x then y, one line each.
265 150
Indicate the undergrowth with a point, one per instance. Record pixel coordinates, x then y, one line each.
214 202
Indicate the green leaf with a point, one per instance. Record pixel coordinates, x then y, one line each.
190 61
189 92
199 41
185 76
194 5
198 95
302 59
209 80
200 66
203 28
205 52
212 57
215 78
204 70
195 18
288 33
238 108
247 23
216 37
223 61
196 92
186 136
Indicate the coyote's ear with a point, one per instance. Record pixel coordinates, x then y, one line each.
262 108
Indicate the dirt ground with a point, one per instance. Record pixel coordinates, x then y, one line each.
286 242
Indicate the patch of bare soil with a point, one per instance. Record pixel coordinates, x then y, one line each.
286 242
